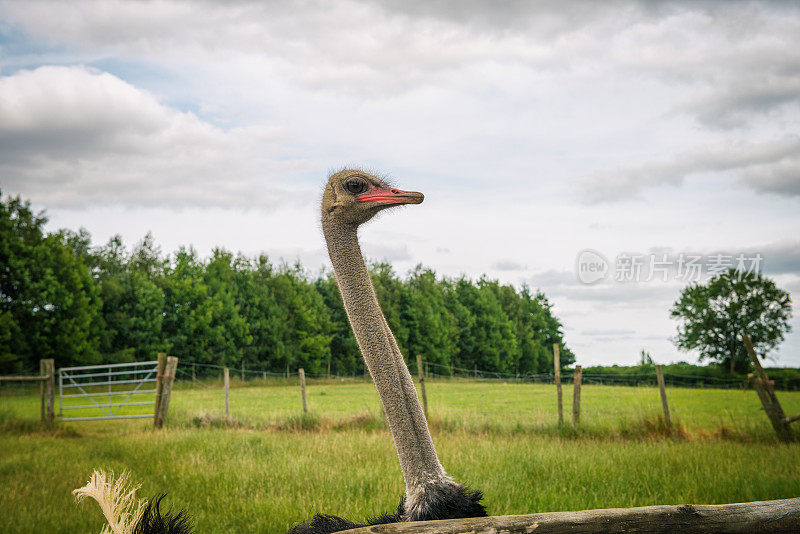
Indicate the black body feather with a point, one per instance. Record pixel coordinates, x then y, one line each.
154 522
453 502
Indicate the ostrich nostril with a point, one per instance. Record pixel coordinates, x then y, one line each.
395 191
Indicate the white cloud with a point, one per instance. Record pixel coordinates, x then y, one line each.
73 136
767 167
509 265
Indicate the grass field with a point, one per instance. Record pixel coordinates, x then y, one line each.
269 467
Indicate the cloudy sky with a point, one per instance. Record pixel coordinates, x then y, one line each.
653 134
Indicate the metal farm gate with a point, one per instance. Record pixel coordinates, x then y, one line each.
112 385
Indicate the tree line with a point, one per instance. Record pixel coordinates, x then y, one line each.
63 298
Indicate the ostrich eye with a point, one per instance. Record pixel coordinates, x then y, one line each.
355 186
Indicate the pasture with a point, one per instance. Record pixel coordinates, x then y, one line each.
269 466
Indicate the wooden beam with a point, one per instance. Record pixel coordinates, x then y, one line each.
576 396
12 378
166 391
42 373
781 516
160 368
766 393
778 420
756 362
302 374
663 391
50 391
226 385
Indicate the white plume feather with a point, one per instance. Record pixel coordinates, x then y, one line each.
117 500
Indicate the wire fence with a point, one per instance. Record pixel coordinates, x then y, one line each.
458 396
195 370
471 399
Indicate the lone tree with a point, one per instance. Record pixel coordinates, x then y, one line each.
715 315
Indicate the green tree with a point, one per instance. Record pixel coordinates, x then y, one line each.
713 317
201 318
534 329
345 356
432 328
394 299
49 303
306 341
265 318
133 302
489 343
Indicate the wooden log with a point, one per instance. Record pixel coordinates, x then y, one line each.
166 393
781 516
160 369
422 385
576 395
557 367
663 391
226 384
302 374
766 393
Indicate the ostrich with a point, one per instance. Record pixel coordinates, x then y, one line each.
351 198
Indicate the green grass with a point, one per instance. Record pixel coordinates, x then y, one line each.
269 466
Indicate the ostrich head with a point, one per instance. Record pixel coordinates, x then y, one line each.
353 197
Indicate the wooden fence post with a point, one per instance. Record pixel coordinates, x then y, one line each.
264 376
576 396
766 393
194 375
663 390
160 369
242 370
43 373
50 388
557 367
422 384
227 386
166 390
302 374
48 369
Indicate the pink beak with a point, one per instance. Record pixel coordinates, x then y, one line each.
390 196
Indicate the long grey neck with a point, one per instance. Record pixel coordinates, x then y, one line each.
418 460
